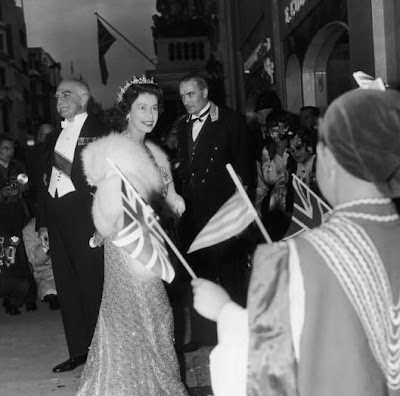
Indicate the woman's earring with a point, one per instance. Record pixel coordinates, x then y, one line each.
128 118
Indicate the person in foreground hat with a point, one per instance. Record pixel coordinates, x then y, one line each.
323 308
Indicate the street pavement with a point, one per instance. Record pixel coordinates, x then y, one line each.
32 343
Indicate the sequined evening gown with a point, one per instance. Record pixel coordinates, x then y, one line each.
132 352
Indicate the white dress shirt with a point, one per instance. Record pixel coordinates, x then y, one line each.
198 123
65 145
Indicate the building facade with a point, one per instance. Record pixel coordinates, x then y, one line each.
44 77
304 52
186 39
14 81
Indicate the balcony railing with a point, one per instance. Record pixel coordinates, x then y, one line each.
182 52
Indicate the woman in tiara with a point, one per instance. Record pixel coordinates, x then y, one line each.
132 351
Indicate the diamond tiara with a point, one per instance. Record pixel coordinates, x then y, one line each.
135 80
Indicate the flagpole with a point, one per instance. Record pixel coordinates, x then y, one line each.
160 229
242 191
175 250
125 38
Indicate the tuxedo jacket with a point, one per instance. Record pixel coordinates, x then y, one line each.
205 182
91 130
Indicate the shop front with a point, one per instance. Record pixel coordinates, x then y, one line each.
314 37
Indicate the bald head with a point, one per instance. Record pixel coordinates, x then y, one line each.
72 98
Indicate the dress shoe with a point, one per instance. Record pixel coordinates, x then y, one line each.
10 307
13 310
30 306
70 364
52 300
191 346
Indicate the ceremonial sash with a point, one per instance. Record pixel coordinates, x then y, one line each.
62 164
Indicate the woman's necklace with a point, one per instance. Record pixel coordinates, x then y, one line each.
165 180
164 177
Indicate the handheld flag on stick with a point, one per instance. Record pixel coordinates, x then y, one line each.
252 209
232 217
309 210
366 81
139 237
142 236
105 40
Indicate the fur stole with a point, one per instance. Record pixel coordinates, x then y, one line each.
134 162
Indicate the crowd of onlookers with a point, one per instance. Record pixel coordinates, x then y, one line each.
25 265
286 145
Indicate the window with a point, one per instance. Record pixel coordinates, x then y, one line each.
10 48
2 77
24 65
27 97
6 120
22 38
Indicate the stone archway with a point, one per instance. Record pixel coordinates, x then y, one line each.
294 99
314 74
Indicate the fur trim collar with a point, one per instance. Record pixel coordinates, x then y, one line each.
133 161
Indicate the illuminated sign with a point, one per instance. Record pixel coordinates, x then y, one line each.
263 47
292 9
262 54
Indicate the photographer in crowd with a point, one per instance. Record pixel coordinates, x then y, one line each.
17 285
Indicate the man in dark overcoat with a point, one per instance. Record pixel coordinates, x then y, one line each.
64 221
209 138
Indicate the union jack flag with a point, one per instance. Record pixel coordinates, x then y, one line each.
309 210
140 237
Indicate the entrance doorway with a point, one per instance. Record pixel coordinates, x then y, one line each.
326 67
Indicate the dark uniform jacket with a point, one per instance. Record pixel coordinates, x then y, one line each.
206 184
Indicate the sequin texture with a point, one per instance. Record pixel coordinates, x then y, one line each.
132 351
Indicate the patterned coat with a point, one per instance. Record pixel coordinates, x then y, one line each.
347 341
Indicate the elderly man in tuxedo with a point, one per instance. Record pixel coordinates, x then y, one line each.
209 138
64 221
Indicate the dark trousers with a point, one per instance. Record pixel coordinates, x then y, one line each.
78 269
224 264
16 281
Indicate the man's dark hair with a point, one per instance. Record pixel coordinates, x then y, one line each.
6 138
308 137
197 77
316 112
281 116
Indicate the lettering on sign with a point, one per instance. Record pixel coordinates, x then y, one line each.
293 9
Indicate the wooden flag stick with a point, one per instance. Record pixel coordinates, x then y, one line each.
176 251
150 212
242 191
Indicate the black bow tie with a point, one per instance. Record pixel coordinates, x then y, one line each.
201 117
